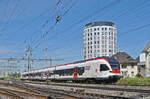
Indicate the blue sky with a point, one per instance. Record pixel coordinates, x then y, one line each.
24 21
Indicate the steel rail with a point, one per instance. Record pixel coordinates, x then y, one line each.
95 87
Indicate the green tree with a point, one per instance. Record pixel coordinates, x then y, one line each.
138 75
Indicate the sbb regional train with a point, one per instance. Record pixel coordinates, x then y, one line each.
97 69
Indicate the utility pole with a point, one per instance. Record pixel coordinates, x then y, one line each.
50 59
29 54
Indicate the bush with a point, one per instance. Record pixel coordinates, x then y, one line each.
138 75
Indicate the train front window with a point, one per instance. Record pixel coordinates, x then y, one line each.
115 65
103 67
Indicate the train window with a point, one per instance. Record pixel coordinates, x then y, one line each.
103 67
66 72
81 70
87 67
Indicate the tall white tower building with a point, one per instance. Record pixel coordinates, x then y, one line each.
99 39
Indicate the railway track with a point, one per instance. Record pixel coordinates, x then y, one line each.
7 94
128 88
79 91
15 90
121 91
21 95
78 94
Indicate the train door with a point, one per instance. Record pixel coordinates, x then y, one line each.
47 75
75 75
41 75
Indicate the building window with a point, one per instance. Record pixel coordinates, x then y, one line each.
132 73
97 42
91 47
95 33
124 66
88 34
105 28
97 28
91 34
109 33
91 38
103 37
91 42
132 66
91 52
102 28
94 29
94 42
91 30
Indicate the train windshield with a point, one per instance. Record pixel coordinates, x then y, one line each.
114 63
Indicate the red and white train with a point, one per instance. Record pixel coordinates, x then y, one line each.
97 69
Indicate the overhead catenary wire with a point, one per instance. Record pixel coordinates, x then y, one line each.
10 16
136 18
129 10
84 18
58 18
50 9
47 21
5 9
109 5
99 10
141 27
135 29
93 13
125 33
39 41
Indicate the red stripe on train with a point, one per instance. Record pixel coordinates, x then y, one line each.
116 71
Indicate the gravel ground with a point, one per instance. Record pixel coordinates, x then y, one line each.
99 91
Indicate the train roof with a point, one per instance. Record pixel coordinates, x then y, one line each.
110 59
107 58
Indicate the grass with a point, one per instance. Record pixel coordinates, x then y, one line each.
7 78
134 81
